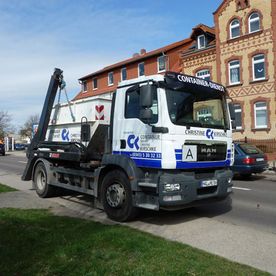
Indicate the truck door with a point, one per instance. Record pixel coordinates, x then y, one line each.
132 137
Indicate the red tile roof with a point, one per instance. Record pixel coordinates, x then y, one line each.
204 28
139 57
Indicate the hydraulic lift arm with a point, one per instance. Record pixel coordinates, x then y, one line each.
54 84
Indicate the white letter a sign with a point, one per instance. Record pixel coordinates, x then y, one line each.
189 153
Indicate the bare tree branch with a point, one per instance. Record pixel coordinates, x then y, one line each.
5 124
27 129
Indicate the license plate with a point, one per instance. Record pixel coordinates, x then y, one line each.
209 183
259 159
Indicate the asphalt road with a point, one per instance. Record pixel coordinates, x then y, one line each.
242 229
253 201
14 163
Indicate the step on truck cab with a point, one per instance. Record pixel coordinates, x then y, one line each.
167 145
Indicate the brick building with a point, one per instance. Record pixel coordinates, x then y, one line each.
239 52
141 64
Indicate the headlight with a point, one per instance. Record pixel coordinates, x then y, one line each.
171 187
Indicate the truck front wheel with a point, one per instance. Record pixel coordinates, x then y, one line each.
43 189
117 197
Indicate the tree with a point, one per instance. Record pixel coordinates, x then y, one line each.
5 124
27 129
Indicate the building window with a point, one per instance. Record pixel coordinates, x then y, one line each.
238 116
95 83
141 69
254 22
235 28
260 111
201 42
234 72
204 113
161 63
123 74
204 74
84 86
258 67
110 78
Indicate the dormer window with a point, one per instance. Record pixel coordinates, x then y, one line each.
84 86
201 42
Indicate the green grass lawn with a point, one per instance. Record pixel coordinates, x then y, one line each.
4 188
34 242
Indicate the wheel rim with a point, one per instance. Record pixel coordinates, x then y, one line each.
41 180
115 195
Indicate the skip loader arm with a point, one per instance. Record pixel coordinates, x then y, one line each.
55 82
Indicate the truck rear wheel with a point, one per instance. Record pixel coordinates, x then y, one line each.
43 189
117 197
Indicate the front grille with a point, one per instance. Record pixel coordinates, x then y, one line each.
207 174
212 152
206 190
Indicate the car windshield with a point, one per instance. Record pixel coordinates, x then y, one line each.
196 109
250 149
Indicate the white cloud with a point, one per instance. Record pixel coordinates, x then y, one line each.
37 36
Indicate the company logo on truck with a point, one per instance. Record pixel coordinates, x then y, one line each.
99 112
202 82
65 134
132 141
210 134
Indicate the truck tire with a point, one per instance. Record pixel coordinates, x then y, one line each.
116 197
43 189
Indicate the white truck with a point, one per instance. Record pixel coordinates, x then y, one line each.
162 142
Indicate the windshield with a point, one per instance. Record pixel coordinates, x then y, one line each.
250 149
196 109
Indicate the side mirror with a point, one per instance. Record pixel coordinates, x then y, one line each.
146 115
233 123
232 115
232 111
146 95
146 101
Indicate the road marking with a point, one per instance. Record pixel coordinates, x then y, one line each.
24 162
240 188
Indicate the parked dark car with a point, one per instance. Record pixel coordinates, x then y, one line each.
248 159
2 149
18 146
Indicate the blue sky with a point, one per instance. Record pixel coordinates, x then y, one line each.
81 37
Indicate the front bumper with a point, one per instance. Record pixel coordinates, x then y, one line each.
191 190
190 193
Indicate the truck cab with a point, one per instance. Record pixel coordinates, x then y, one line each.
177 131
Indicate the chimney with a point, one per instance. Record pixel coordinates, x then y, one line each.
135 55
142 51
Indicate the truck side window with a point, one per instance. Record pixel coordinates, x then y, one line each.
132 106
